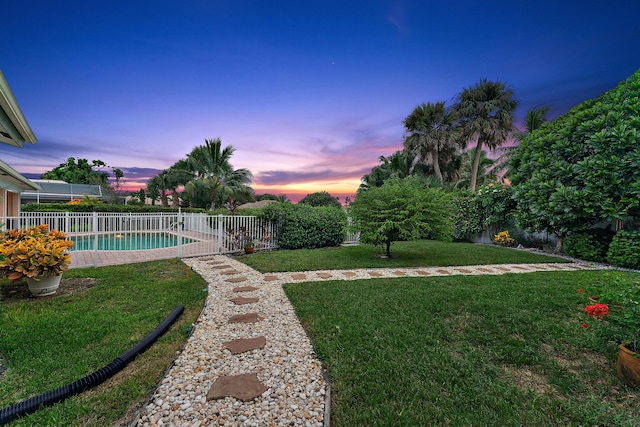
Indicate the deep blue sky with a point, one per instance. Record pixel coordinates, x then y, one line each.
309 93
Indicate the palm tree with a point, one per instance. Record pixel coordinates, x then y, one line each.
159 185
431 132
213 172
397 165
486 113
486 169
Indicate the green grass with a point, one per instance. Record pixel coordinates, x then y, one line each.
421 253
46 343
467 350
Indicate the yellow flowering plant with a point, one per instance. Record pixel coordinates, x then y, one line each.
34 252
503 239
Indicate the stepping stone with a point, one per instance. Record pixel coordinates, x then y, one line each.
324 275
504 269
245 344
236 279
298 276
221 266
484 270
517 267
422 272
242 301
375 274
243 288
464 270
245 387
443 271
349 274
270 278
245 318
229 272
399 273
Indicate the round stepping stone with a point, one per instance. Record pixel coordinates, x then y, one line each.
245 387
236 279
245 318
324 275
245 289
270 278
242 300
245 344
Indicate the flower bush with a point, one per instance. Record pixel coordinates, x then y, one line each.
33 252
597 310
503 239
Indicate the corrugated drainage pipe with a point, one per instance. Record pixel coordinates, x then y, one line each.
32 404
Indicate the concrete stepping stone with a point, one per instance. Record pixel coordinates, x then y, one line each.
245 318
298 276
464 270
399 273
270 278
245 344
349 274
245 289
229 272
506 269
242 300
375 274
441 271
221 266
236 279
324 275
484 270
245 387
422 272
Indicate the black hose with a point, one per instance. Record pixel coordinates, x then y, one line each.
32 404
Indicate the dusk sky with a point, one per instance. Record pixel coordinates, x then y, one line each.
309 93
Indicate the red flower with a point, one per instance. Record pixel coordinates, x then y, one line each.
580 290
597 310
584 325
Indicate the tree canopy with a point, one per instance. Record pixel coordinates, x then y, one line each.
402 209
320 198
583 167
80 171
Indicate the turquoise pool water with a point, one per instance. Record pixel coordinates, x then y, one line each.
127 242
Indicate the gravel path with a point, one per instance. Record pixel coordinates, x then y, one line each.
287 365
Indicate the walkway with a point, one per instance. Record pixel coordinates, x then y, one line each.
249 361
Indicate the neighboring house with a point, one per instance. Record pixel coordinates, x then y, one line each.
14 130
52 191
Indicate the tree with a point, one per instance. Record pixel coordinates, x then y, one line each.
432 131
214 173
583 167
402 209
486 169
398 165
321 198
486 114
79 172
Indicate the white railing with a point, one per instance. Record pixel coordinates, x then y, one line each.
103 238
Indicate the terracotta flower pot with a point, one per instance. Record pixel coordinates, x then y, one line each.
628 365
248 249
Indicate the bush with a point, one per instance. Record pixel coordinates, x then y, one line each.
591 245
468 216
65 207
624 250
303 226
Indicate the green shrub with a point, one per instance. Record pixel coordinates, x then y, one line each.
64 207
468 216
303 226
624 250
587 245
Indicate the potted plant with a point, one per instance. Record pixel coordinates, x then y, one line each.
248 246
625 315
38 254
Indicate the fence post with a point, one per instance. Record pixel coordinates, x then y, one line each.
220 233
179 225
95 239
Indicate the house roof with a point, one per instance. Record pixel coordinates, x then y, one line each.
13 181
14 129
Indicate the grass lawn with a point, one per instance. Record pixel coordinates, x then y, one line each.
421 253
52 341
467 350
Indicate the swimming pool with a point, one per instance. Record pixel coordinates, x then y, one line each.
127 242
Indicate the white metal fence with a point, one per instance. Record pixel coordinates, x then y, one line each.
115 238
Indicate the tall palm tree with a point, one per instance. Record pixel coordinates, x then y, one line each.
213 172
397 165
179 174
431 132
486 112
486 169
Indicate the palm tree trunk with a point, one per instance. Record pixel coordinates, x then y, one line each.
436 163
474 168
